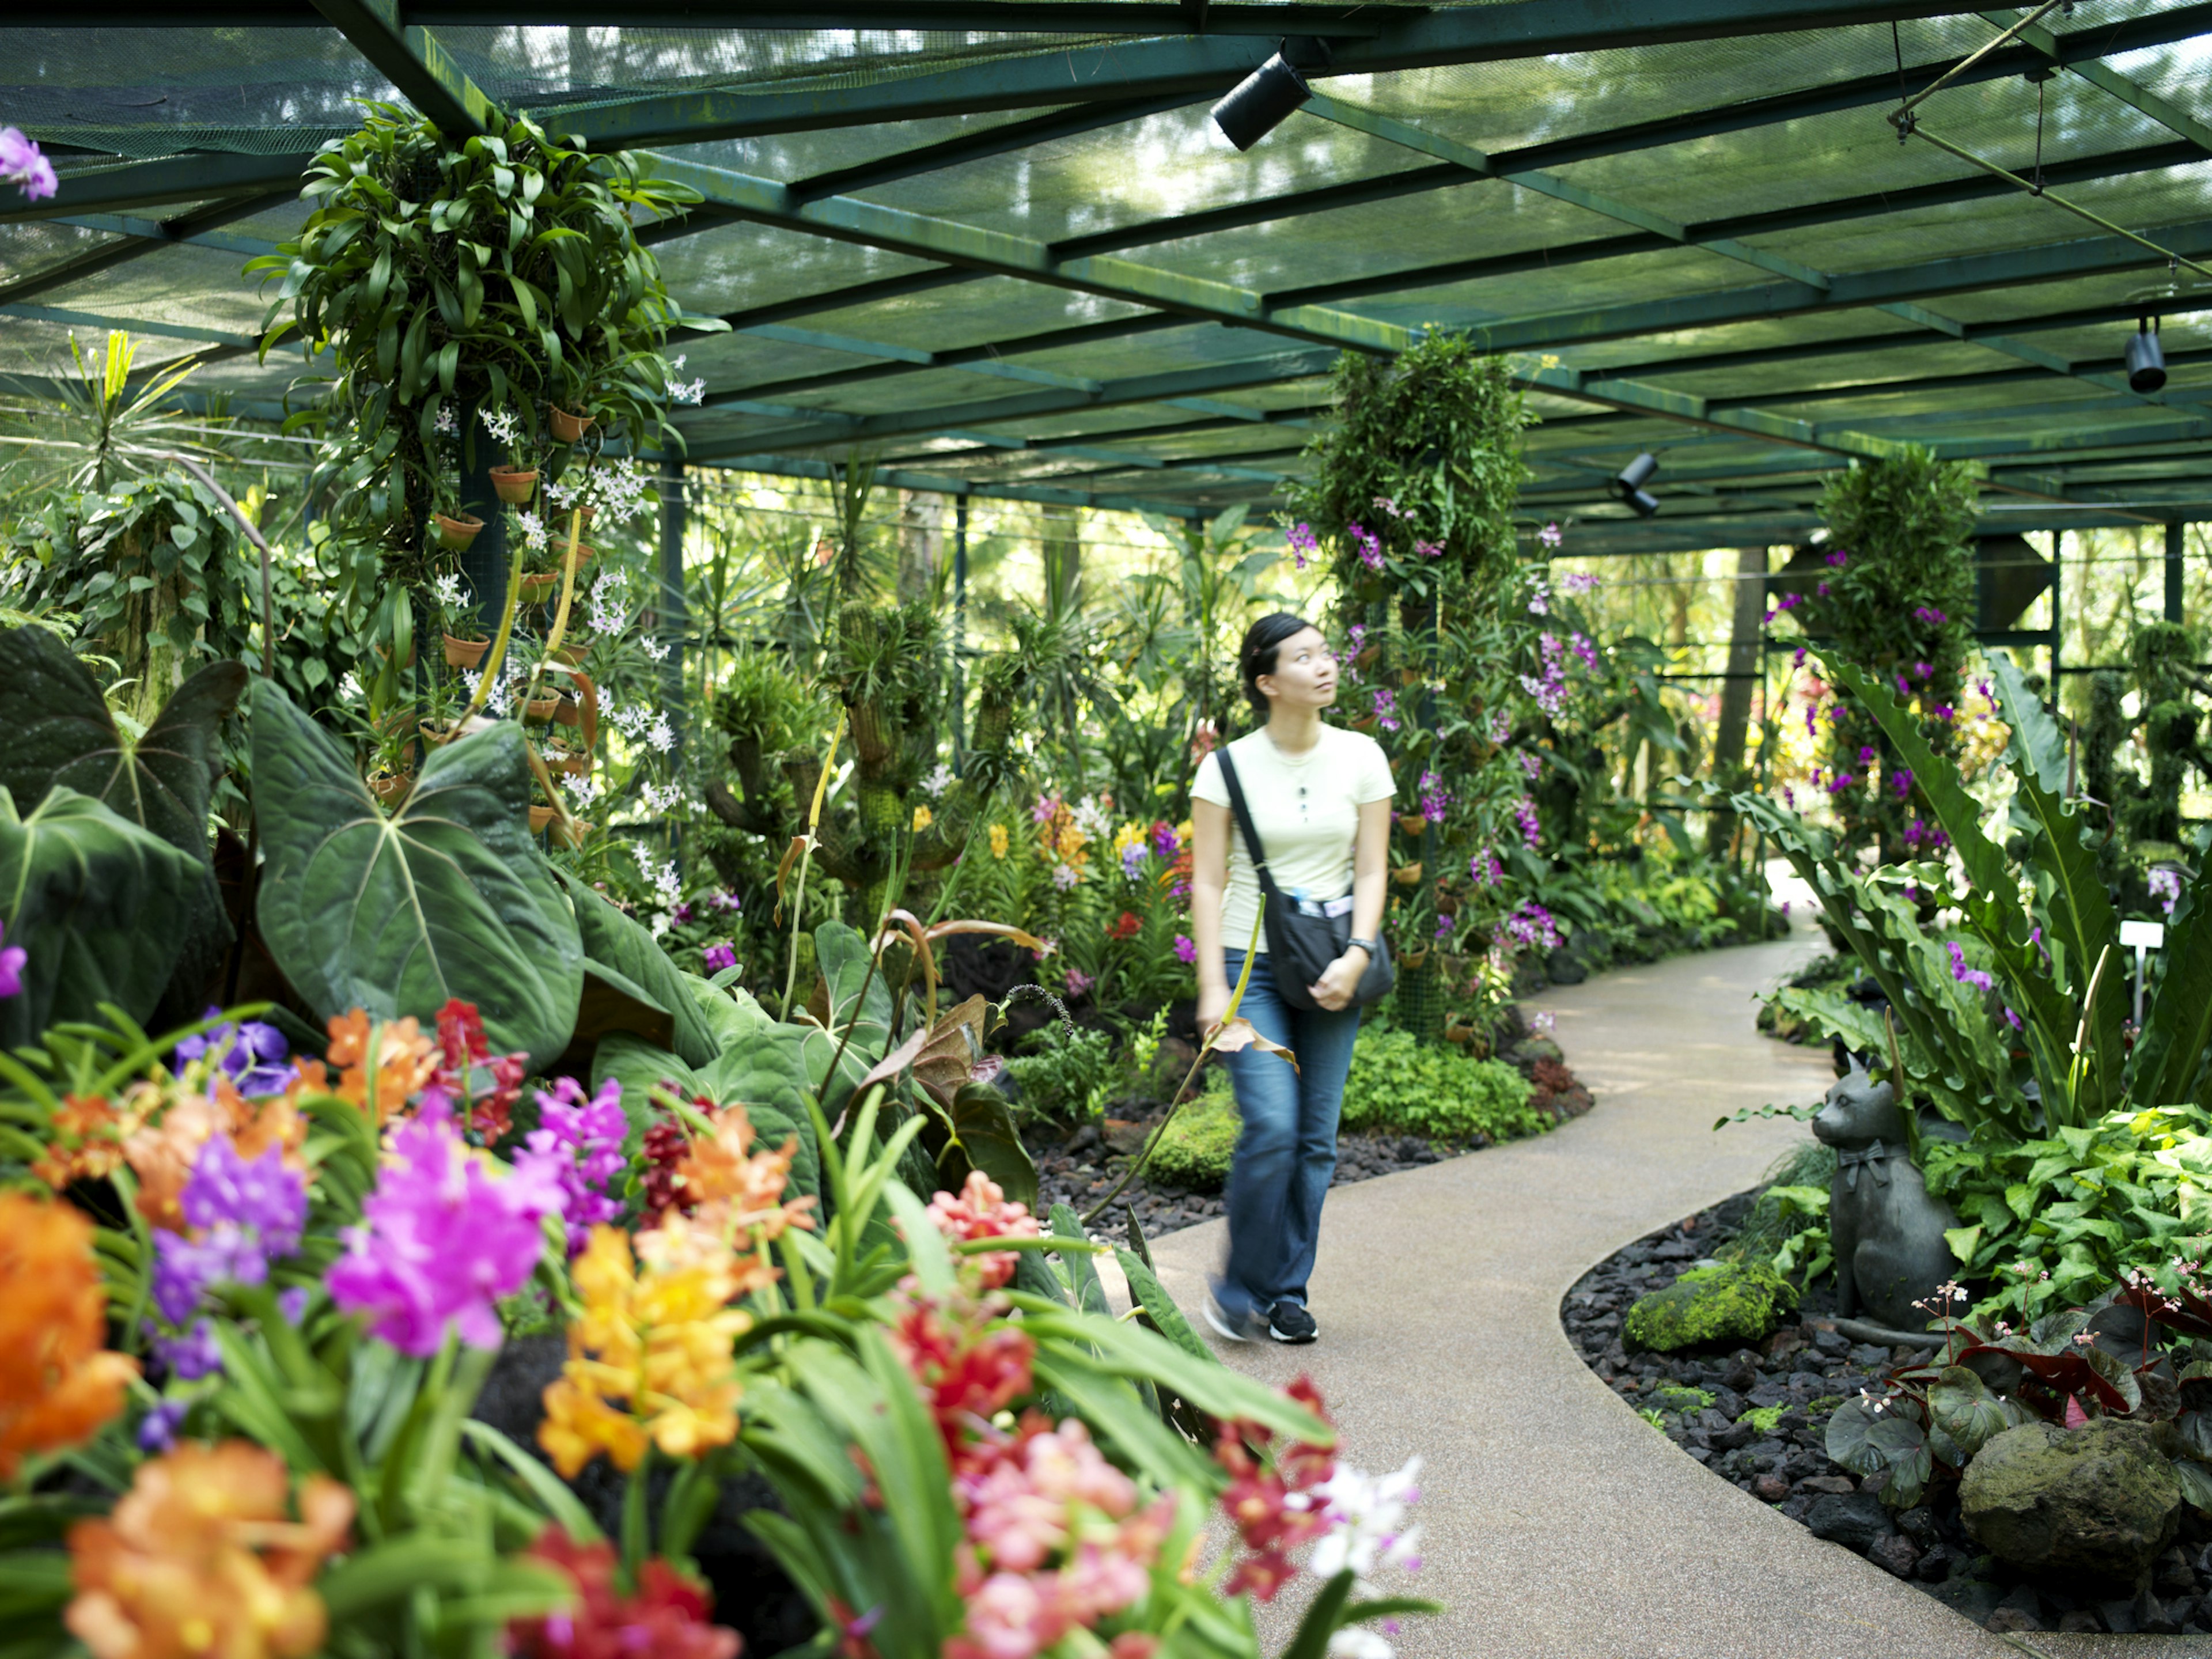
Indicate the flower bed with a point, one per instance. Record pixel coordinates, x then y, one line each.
1756 1416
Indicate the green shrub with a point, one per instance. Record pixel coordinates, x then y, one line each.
1399 1084
1199 1142
1069 1078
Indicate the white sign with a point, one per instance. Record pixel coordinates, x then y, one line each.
2143 935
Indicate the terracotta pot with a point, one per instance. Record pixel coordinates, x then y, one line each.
572 833
1408 875
584 553
1409 676
514 485
570 429
539 818
465 653
1367 656
538 711
1458 1033
457 530
1412 822
390 788
538 586
1365 723
575 763
1414 958
571 654
585 514
383 654
433 734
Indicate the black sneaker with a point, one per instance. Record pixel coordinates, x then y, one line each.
1236 1329
1289 1322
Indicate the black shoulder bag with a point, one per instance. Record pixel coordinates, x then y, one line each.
1302 938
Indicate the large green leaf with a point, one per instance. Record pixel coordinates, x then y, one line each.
629 983
983 1137
448 898
93 900
2167 1066
59 732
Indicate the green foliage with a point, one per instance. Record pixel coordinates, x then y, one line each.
1400 1085
450 897
1069 1078
1675 1397
1200 1143
2086 1207
93 899
1897 599
1731 1302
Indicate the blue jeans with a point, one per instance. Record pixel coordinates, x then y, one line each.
1286 1151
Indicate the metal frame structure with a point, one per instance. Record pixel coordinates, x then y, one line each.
1752 370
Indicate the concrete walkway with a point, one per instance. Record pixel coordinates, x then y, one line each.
1555 1521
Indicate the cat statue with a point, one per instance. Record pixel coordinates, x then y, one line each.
1887 1232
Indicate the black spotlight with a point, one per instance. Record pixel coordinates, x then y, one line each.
2146 360
1260 102
1629 486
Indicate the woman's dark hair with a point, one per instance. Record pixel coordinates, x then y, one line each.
1257 656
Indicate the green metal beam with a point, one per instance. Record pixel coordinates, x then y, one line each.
156 183
127 324
410 57
1210 64
106 256
787 466
2140 99
153 230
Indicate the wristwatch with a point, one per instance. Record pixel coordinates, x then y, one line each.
1373 947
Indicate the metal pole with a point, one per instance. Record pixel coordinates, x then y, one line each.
672 615
2174 550
2058 613
959 627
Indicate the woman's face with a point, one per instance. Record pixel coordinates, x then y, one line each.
1305 673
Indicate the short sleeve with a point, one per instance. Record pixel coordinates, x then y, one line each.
1208 787
1373 782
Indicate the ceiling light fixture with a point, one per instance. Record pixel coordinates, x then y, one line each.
2145 358
1260 102
1629 485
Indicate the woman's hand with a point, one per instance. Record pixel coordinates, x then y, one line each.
1335 988
1212 1004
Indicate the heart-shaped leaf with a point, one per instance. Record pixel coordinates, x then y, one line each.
630 985
985 1139
93 899
449 898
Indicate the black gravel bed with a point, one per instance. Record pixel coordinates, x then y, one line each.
1084 1169
1798 1375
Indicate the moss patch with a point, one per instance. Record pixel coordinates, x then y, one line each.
1731 1302
1196 1147
1674 1397
1763 1418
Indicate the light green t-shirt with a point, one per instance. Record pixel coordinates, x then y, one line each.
1307 812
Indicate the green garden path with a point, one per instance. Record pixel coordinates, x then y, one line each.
1555 1521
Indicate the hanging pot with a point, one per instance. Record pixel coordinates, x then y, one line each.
1364 723
384 654
571 654
575 763
538 711
572 831
1408 875
434 734
457 530
539 818
582 552
538 585
465 653
514 485
1412 822
390 788
1413 958
570 428
1409 676
1367 656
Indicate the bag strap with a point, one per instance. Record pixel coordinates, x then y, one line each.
1252 845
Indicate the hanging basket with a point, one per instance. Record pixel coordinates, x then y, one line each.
1408 875
570 428
1367 656
539 818
1365 723
538 585
465 653
514 485
1412 822
539 711
457 530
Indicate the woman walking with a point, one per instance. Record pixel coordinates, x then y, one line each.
1319 797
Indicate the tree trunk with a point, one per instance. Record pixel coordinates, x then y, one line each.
1746 629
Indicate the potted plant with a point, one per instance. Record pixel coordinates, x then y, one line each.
568 428
455 525
457 620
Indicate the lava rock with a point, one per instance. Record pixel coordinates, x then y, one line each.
1854 1520
1893 1552
1969 1598
2098 1500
